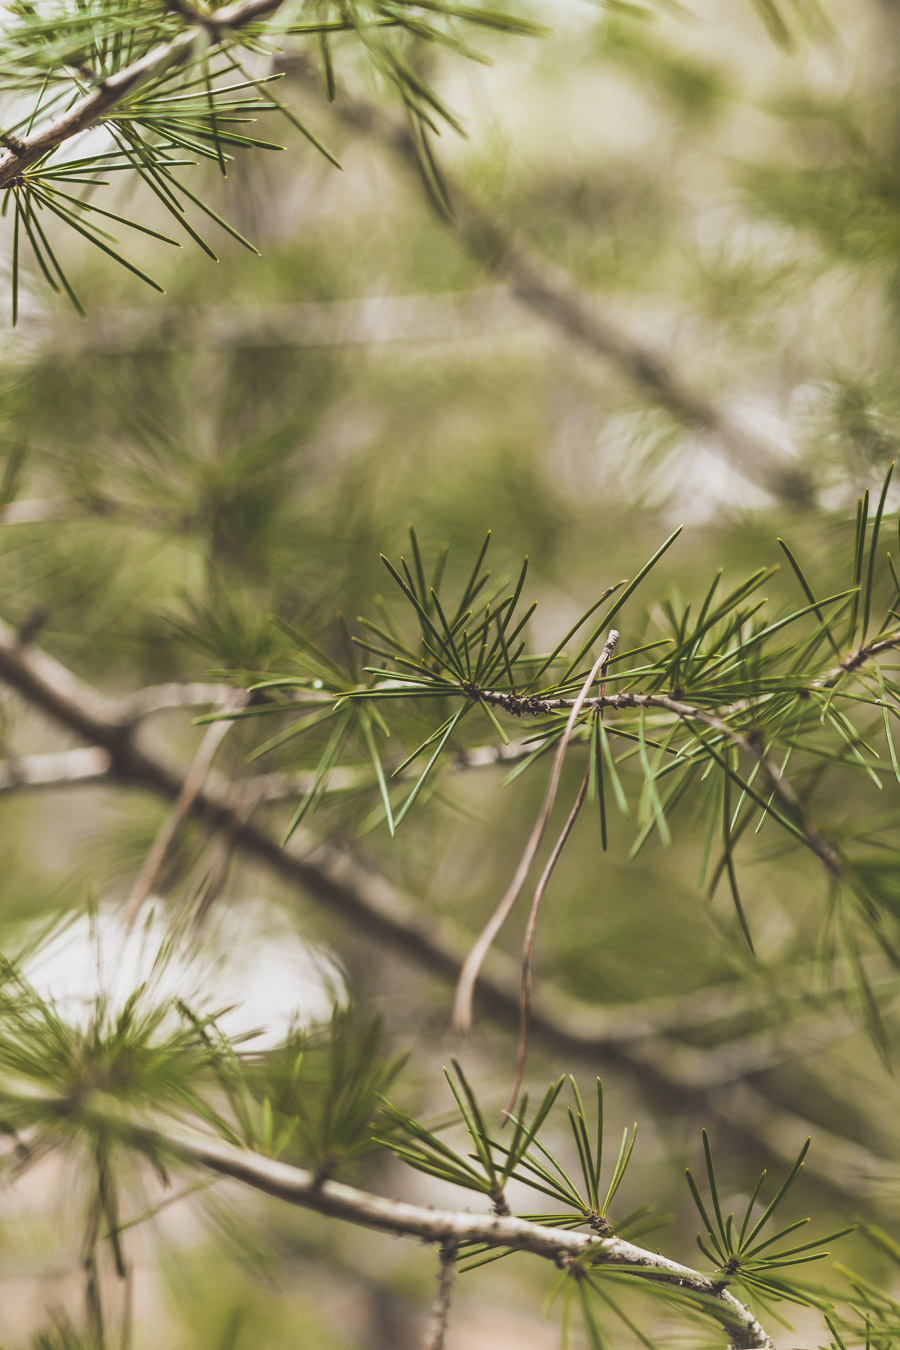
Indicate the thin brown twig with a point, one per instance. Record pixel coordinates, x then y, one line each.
856 659
193 781
530 932
465 988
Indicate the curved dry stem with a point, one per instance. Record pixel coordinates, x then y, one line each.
465 989
528 945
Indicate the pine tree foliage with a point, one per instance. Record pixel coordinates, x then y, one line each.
738 711
171 85
635 797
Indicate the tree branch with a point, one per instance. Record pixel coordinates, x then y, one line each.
628 1038
94 107
440 1309
686 712
300 1187
490 311
85 765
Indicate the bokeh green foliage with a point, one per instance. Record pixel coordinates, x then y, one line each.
729 200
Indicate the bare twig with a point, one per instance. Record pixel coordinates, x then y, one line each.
194 779
451 1227
440 1308
530 932
462 1006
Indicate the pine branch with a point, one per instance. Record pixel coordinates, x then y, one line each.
345 887
307 1190
93 108
519 705
329 876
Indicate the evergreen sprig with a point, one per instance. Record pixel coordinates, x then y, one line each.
490 1166
522 1158
318 1098
741 1253
170 85
739 709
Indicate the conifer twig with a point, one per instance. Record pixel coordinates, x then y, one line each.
332 878
686 712
110 91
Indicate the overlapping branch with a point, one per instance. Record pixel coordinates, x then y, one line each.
440 1309
374 320
633 1039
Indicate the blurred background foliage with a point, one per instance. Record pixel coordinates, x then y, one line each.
247 444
